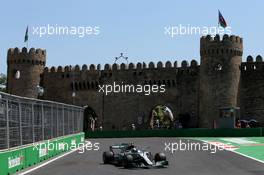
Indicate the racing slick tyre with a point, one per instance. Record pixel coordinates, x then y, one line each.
159 157
107 157
128 160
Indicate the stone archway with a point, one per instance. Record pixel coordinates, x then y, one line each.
161 117
90 119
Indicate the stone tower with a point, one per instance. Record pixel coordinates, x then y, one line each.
24 71
219 75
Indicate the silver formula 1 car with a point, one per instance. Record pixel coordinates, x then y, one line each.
128 156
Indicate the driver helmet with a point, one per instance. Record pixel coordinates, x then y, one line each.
134 149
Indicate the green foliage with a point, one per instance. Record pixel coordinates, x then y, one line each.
159 113
3 80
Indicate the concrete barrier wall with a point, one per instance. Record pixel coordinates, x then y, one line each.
197 132
19 158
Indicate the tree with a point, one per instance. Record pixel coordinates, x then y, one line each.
3 80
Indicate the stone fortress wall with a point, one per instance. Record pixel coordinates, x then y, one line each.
221 80
181 95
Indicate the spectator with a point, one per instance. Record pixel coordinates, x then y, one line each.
180 126
133 127
238 124
247 126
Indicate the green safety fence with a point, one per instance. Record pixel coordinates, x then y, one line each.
19 158
193 132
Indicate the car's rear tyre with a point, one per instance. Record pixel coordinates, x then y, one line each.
107 157
159 157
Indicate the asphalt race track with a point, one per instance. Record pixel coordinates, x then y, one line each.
181 162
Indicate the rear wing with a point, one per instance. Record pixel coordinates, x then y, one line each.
121 146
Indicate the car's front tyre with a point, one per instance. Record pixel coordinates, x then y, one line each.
127 161
160 157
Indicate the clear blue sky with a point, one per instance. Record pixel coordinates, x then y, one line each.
134 27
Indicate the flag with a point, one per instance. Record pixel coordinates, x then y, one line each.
221 20
26 35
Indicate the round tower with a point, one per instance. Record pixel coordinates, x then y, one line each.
24 71
219 76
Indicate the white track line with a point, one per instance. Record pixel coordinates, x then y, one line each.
261 161
45 163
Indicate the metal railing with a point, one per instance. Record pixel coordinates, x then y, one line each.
24 120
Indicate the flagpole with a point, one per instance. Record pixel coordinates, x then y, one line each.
218 18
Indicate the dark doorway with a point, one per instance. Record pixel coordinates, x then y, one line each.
89 119
185 119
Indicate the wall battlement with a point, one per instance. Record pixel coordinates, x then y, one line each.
228 45
251 65
226 39
119 67
33 56
82 78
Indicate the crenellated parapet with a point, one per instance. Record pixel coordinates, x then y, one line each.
25 56
77 68
253 65
89 77
187 68
116 67
228 45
